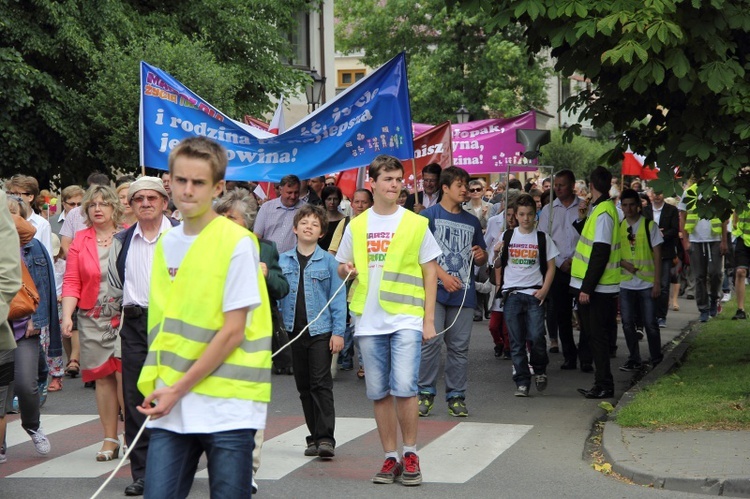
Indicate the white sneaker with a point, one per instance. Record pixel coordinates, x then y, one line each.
255 487
41 442
726 297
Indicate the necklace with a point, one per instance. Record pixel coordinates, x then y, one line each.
104 241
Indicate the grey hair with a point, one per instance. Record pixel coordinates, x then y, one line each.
242 201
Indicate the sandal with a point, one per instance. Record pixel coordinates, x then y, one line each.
361 372
108 455
72 368
675 307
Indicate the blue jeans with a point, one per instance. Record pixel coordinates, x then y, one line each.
525 319
392 363
346 356
631 301
173 459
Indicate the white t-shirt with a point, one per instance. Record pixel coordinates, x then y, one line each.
522 271
380 229
626 253
702 231
195 413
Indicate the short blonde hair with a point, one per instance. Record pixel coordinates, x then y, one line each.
72 191
205 149
108 195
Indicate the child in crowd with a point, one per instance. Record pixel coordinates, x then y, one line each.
313 279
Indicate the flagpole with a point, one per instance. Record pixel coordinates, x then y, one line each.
416 185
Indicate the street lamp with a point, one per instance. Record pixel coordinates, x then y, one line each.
462 115
315 90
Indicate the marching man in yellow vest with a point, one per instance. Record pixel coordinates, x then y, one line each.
595 279
706 244
208 368
741 258
394 254
640 249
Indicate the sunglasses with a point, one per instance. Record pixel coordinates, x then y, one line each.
631 236
479 189
72 205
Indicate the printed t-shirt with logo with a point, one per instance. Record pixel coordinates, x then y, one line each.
196 413
380 229
522 271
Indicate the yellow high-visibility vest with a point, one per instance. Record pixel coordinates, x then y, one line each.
401 285
742 229
185 314
585 245
691 216
640 254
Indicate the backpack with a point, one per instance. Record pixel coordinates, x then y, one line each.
541 239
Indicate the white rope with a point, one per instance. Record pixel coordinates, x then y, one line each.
463 300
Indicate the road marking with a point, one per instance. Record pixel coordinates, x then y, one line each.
51 423
283 454
467 449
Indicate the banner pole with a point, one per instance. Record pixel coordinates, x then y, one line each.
416 185
143 170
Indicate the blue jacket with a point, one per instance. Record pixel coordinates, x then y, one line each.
321 282
43 274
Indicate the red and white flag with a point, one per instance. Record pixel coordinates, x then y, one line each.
277 125
634 164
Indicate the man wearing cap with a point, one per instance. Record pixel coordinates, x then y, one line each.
129 278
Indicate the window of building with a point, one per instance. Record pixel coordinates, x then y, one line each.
300 41
348 77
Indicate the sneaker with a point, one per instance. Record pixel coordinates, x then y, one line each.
704 316
662 323
457 407
41 442
726 297
426 401
411 474
389 473
498 351
522 391
255 486
639 333
541 382
506 356
311 450
631 366
14 406
713 309
325 450
740 314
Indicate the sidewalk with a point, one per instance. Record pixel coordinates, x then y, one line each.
704 462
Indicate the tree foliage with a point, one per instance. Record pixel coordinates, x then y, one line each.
670 74
70 73
579 155
453 58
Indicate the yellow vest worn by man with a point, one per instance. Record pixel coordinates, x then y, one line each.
585 245
640 254
691 216
401 286
185 314
742 229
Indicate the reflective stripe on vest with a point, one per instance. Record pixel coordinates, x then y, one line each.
401 285
185 315
691 217
585 246
742 229
641 255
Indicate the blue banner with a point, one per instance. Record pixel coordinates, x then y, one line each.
369 118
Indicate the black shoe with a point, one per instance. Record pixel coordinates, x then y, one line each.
690 297
311 449
568 365
487 314
325 450
478 317
739 315
498 351
631 366
135 488
587 368
597 393
89 384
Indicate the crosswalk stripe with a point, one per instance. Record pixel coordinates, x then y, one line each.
51 423
77 464
284 454
467 449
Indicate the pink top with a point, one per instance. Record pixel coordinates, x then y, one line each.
82 273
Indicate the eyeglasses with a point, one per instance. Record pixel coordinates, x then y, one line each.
476 189
19 193
103 204
140 199
72 205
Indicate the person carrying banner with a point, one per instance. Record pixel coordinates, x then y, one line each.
394 256
430 193
208 368
595 278
459 235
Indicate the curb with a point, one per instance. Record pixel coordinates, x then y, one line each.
623 463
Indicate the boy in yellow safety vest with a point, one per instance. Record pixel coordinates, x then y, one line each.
208 368
640 243
741 258
393 253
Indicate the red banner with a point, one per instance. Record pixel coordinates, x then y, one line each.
431 146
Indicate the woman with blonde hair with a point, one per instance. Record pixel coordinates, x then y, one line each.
85 286
128 215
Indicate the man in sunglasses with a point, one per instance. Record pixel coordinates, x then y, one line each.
71 197
640 264
430 193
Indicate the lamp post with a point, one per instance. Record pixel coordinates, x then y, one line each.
314 90
462 115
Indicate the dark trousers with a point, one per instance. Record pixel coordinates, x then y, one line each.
311 359
597 319
133 336
662 303
560 314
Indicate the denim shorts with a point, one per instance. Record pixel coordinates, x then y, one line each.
391 363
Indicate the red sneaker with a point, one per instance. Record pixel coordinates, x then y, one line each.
390 472
411 474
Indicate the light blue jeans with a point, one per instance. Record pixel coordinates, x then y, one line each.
392 363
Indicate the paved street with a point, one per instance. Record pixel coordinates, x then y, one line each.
508 447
